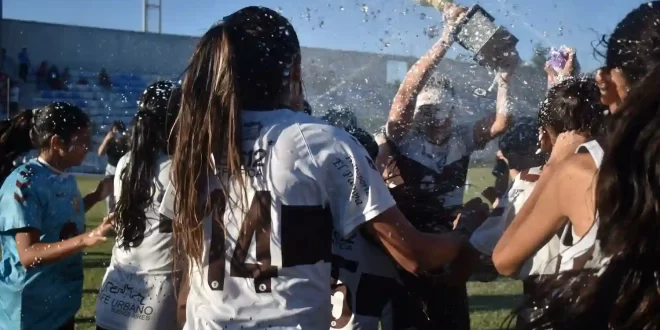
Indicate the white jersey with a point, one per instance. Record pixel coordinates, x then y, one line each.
582 252
138 289
364 281
269 268
485 238
447 164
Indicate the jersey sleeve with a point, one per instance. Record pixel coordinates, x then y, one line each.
20 203
116 182
355 189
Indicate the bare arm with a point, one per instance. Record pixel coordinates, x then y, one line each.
414 251
104 144
495 124
563 193
403 106
33 253
537 221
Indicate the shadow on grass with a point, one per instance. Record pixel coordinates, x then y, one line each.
95 263
98 254
479 303
87 320
94 291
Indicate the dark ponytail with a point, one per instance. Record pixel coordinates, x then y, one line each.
157 110
14 140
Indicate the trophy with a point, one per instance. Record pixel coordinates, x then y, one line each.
494 47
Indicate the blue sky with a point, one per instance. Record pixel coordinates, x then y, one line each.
388 26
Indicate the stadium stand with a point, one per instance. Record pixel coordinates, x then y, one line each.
332 77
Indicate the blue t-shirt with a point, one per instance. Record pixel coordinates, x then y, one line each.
47 295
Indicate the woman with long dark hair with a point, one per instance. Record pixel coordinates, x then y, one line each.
624 292
571 108
142 255
258 186
14 140
42 225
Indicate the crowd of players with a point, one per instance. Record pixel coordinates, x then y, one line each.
236 209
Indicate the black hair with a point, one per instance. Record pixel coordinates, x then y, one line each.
366 140
119 125
59 119
521 138
573 105
307 108
341 117
625 294
157 110
14 140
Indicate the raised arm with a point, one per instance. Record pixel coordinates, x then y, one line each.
497 123
403 106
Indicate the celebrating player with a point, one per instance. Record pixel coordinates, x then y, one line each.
258 187
42 225
138 288
427 158
620 291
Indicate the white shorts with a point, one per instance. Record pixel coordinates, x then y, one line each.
128 301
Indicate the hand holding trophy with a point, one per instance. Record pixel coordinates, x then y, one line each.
475 30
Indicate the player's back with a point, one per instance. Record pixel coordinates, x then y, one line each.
266 261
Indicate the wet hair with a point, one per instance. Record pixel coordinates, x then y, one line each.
521 138
59 119
366 140
14 140
440 82
157 110
633 46
244 61
119 125
625 294
341 117
573 105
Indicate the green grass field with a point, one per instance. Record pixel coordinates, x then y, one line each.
490 303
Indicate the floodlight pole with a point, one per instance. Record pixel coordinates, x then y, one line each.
147 5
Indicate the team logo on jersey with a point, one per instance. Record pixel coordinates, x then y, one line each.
353 176
125 300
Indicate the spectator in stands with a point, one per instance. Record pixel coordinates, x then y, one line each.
42 225
66 78
14 93
42 75
54 81
114 145
24 64
7 64
104 79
